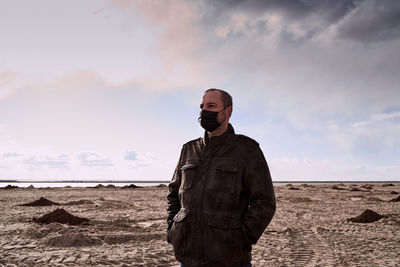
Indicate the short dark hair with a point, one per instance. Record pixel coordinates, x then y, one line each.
225 96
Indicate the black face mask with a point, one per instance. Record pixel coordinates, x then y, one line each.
209 120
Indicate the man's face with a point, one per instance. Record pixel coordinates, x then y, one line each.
212 102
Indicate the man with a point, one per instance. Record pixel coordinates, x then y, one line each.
221 197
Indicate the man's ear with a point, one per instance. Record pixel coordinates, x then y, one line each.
229 110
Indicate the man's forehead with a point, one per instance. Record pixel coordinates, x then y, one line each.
212 96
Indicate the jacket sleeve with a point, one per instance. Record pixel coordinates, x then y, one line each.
174 204
261 197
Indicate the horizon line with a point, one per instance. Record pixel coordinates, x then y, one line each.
167 181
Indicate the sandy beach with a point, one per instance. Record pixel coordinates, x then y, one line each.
126 227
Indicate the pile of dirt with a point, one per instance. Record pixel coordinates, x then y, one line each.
60 216
300 199
374 199
367 186
71 240
386 185
10 187
394 193
336 187
78 202
293 188
131 186
43 231
41 202
397 199
368 216
355 189
161 185
118 239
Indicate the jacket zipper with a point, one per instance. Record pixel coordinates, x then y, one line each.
202 220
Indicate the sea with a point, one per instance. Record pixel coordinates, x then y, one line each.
51 184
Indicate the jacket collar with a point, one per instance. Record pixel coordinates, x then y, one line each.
218 139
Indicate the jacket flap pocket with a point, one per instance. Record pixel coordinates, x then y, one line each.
226 165
227 168
180 216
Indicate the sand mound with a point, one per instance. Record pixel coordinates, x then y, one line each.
162 185
367 216
374 199
367 186
293 188
386 185
78 202
41 202
397 199
71 240
40 232
31 187
336 187
355 189
300 199
10 187
119 239
131 186
60 216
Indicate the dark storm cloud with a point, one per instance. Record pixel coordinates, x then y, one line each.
372 21
362 20
291 9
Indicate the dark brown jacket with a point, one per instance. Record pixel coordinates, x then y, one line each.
220 199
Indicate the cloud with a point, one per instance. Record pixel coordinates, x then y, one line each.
130 155
94 160
374 140
364 21
36 164
385 116
314 70
140 160
10 155
8 81
371 21
292 10
61 161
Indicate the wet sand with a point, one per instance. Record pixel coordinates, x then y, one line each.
126 227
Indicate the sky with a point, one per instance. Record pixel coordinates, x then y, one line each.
100 89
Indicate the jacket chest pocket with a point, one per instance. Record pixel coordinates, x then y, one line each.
188 171
224 176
